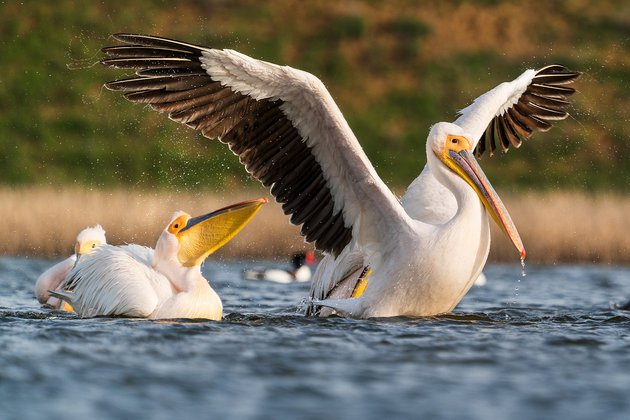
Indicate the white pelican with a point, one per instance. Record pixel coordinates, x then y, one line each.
300 273
423 253
87 240
119 281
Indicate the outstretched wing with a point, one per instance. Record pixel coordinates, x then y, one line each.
281 122
501 117
513 111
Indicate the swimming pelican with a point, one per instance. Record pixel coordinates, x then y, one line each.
87 240
421 254
300 273
119 281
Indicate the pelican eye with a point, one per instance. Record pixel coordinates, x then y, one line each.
93 246
454 141
178 224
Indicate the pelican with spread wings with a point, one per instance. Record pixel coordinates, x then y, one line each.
421 253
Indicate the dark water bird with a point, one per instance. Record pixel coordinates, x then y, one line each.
624 306
300 272
423 252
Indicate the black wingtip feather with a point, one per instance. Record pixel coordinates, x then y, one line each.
545 99
170 78
156 41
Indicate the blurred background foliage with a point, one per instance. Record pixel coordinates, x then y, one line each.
394 68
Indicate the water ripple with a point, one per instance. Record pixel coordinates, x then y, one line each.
560 350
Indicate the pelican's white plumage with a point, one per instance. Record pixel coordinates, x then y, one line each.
113 281
135 281
423 252
87 240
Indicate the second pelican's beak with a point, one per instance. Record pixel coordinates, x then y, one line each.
462 162
203 235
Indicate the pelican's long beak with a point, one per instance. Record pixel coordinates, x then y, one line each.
465 165
205 234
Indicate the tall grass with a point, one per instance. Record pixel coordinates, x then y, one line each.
43 221
567 227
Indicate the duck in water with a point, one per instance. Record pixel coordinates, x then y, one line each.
302 264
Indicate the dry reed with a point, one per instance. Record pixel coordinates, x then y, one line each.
567 227
43 221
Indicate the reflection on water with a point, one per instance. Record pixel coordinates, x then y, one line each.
547 345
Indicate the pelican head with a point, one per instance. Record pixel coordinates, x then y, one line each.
453 147
190 240
89 239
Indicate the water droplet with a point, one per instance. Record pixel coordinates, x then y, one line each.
523 267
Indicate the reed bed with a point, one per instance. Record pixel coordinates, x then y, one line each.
569 226
44 221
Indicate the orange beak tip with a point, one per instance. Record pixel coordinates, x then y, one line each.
523 254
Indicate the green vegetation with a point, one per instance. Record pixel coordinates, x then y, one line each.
394 67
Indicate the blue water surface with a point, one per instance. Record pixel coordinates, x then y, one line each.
548 345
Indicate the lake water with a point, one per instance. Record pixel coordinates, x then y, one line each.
548 345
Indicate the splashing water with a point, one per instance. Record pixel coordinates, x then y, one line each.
518 283
516 291
302 305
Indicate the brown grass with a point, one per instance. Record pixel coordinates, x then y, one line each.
568 227
43 221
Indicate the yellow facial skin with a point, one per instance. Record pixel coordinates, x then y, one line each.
178 224
86 247
457 155
201 236
456 144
